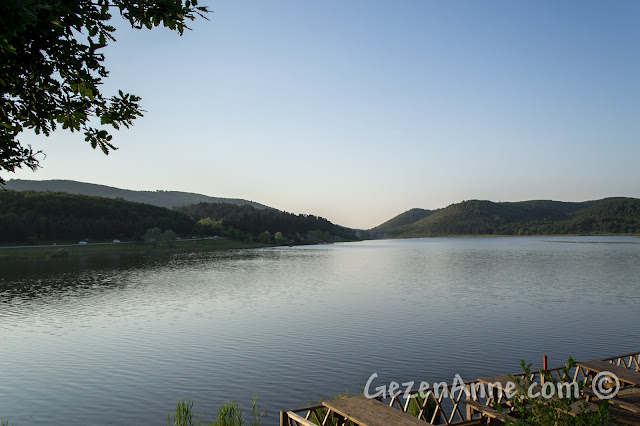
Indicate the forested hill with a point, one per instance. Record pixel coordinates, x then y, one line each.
168 199
29 216
36 217
410 216
537 217
299 228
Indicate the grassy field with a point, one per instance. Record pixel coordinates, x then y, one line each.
63 251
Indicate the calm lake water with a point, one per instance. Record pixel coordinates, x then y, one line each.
117 340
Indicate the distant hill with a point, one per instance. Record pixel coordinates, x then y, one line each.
168 199
537 217
29 216
301 227
410 216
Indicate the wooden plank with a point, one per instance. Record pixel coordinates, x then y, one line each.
576 407
629 393
485 409
501 382
489 411
624 374
617 414
371 412
622 416
626 405
628 398
296 418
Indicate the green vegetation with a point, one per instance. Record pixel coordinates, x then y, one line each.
156 237
61 252
417 404
52 68
33 217
183 416
229 414
56 219
410 216
187 245
538 217
269 226
168 199
554 411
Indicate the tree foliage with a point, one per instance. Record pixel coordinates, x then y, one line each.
539 217
558 411
35 216
410 216
30 216
238 220
51 67
156 237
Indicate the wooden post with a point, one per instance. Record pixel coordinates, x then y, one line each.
544 368
469 411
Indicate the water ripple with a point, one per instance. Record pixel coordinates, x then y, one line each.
120 341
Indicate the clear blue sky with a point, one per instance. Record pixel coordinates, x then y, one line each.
358 110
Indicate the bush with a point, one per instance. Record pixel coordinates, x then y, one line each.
554 411
418 403
61 252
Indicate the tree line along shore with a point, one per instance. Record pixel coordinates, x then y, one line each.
32 218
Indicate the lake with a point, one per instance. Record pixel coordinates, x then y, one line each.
118 340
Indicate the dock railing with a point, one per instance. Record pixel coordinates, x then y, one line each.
440 406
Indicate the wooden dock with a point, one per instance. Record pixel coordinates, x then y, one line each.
482 401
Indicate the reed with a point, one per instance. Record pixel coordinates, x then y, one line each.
417 403
229 414
183 416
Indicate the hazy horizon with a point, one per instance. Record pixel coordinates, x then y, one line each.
360 111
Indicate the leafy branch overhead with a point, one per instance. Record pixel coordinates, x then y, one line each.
51 67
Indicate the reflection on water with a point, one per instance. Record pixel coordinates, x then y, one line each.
121 339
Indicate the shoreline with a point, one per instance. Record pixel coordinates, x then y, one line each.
509 236
65 251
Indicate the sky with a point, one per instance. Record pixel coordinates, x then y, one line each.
359 110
